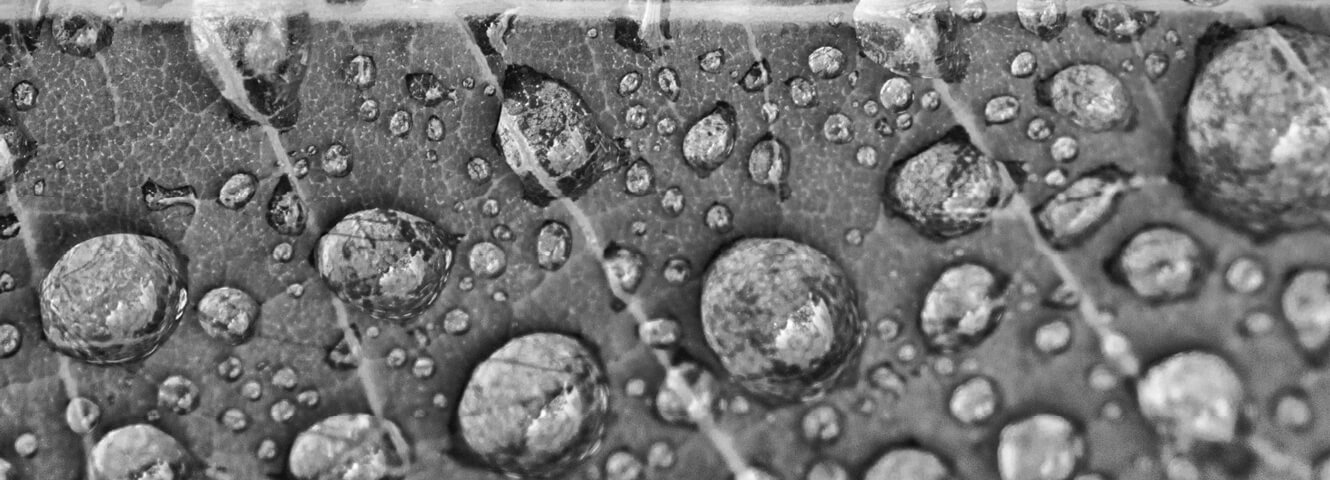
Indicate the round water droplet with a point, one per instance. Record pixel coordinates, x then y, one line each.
673 405
367 110
336 160
457 321
1245 275
238 190
972 10
1039 129
228 314
178 394
388 263
537 406
629 83
230 369
757 77
347 446
623 465
624 266
1292 410
822 424
11 338
478 170
553 245
1090 96
909 463
1023 64
1045 18
826 61
948 190
487 260
782 316
896 93
769 165
1156 64
1306 306
719 218
234 419
23 95
425 88
1041 447
962 307
1192 396
711 61
838 128
635 116
399 123
114 298
803 93
285 378
640 178
677 270
1001 109
975 400
660 455
251 390
82 415
1053 336
1161 264
281 411
138 452
659 332
709 141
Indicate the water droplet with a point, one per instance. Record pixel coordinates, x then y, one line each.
234 419
908 463
676 270
178 394
1161 264
629 83
962 307
489 207
230 369
1306 305
1039 129
659 332
82 415
838 128
336 160
672 406
1001 109
114 298
23 95
140 451
456 321
1023 64
660 455
554 243
709 141
822 424
826 61
640 178
11 339
1245 275
1041 447
1045 18
360 71
1075 213
757 77
623 465
425 88
769 165
712 60
1291 409
904 121
948 190
624 266
782 316
237 190
286 210
1192 396
1053 337
911 38
667 83
974 400
1156 64
719 218
399 123
896 93
388 263
1064 149
281 411
803 93
672 201
342 355
478 170
258 62
552 371
7 282
285 378
1090 96
972 11
1256 324
1119 22
487 260
635 116
368 110
346 446
251 390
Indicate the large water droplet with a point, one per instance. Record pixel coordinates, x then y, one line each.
1045 18
550 138
948 190
114 298
1076 212
962 307
1192 396
909 463
625 266
257 62
360 71
1119 22
1091 96
347 446
1161 264
537 406
81 35
139 452
896 93
286 210
487 260
782 316
1041 447
388 263
709 141
826 61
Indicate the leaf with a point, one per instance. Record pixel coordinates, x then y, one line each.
146 110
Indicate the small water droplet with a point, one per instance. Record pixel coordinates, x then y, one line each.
624 266
1245 275
1045 18
962 307
1119 22
230 369
667 83
821 424
1039 129
1291 409
803 93
1160 264
553 245
178 394
82 415
456 321
360 71
719 218
367 110
712 60
1306 306
974 401
838 128
478 170
1075 213
1156 64
826 61
234 419
1001 109
909 463
23 95
896 93
672 201
629 83
769 165
1053 337
659 332
1041 447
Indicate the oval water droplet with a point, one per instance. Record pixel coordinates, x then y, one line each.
114 298
1090 96
625 267
554 243
667 83
962 307
360 71
1075 213
1161 264
138 452
388 263
909 463
1192 396
178 394
948 190
709 141
757 77
1119 22
286 210
769 165
346 446
257 61
803 93
826 61
487 260
1306 306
